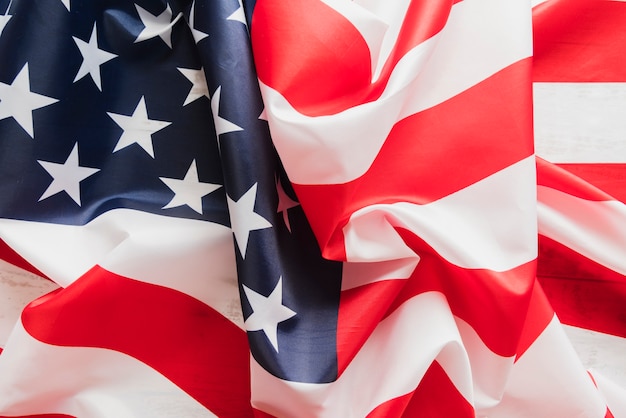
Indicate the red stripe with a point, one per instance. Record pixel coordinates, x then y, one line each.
483 130
360 311
610 178
392 408
185 340
9 255
261 414
520 315
422 21
494 304
309 53
579 41
583 293
435 397
555 177
319 61
538 316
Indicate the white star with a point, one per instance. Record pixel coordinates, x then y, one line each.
222 126
199 87
137 128
93 58
244 219
154 26
18 101
197 35
284 203
66 177
267 312
238 15
66 3
188 191
4 18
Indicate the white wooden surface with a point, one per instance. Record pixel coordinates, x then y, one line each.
580 122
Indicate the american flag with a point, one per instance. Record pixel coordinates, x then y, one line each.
375 256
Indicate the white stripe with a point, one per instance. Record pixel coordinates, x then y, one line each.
424 321
549 381
490 224
358 274
17 289
580 122
481 38
489 370
591 228
537 2
37 378
191 256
